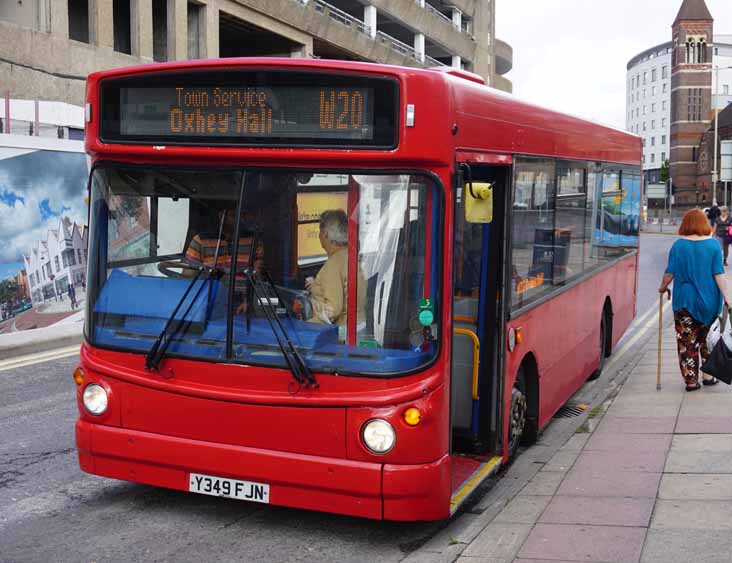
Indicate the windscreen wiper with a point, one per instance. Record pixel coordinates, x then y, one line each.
299 369
172 326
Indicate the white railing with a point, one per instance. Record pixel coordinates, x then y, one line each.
396 45
338 15
435 12
348 20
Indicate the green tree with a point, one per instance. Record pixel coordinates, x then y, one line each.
8 291
665 171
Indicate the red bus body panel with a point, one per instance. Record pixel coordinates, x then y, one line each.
241 422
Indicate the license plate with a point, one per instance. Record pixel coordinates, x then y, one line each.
229 488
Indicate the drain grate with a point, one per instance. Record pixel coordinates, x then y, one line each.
570 411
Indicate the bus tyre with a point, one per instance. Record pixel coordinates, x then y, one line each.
516 419
603 349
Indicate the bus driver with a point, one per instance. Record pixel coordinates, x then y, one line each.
329 290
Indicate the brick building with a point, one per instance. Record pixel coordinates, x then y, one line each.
691 100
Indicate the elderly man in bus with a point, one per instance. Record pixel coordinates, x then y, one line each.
329 290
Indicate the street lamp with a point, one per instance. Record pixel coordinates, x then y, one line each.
715 172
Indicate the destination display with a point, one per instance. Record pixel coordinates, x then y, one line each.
261 108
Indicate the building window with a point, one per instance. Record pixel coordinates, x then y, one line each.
653 91
160 30
653 75
55 261
663 157
645 79
644 142
653 141
653 158
121 24
694 104
663 105
78 254
644 126
653 108
663 122
663 140
653 123
725 89
644 110
194 35
664 72
644 93
79 20
664 88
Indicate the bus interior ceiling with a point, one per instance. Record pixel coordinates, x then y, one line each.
238 38
479 259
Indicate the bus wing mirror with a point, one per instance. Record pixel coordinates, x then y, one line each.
478 202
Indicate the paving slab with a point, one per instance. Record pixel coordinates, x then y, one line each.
545 483
692 515
523 509
499 540
646 410
601 511
576 442
636 424
609 483
621 442
447 556
703 424
562 461
674 546
705 453
693 486
650 461
614 544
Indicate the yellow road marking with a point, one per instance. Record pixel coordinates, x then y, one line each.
32 359
476 479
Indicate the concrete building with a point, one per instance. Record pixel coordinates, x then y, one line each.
59 260
648 98
49 46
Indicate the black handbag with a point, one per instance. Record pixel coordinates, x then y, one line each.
719 363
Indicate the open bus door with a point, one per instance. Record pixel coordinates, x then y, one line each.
482 190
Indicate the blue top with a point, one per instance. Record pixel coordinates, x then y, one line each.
693 264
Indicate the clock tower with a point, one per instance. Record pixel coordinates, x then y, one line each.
691 99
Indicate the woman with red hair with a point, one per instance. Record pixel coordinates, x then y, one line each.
695 267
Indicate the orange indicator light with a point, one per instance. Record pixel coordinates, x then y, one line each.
519 336
412 416
78 376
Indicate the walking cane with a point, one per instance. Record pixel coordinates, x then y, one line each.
660 335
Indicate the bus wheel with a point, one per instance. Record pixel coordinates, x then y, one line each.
603 348
517 416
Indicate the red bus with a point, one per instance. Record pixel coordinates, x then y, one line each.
341 286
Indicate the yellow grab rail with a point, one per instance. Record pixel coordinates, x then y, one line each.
476 356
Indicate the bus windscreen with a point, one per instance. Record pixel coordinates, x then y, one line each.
245 107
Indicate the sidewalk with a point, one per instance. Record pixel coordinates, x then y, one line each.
649 479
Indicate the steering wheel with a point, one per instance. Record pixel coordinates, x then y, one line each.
166 268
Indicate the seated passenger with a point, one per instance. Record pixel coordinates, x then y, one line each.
329 290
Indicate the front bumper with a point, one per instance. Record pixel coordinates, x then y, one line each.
370 490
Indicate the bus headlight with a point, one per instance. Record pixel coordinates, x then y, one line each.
95 399
378 436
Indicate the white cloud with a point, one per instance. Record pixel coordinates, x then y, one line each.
571 55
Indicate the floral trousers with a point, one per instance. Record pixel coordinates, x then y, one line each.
691 340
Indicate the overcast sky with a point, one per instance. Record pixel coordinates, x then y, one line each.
571 55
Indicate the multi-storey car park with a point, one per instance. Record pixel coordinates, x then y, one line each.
50 46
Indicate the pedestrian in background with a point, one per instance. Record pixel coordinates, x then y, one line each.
695 267
722 229
72 295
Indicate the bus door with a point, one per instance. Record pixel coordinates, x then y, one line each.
482 191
